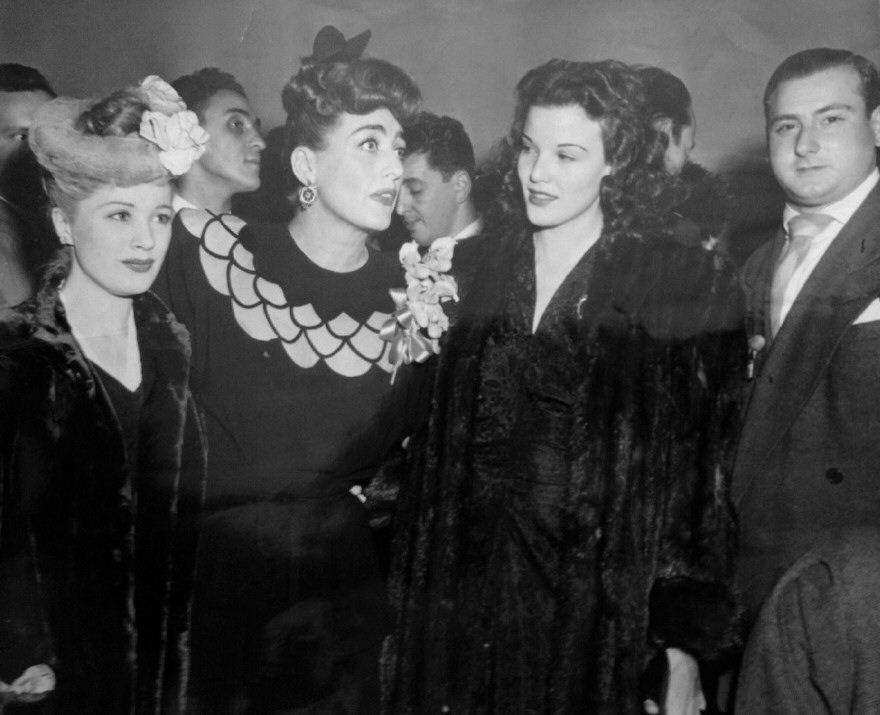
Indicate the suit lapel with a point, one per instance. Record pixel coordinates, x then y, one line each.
758 288
844 282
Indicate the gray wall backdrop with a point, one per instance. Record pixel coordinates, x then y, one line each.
466 54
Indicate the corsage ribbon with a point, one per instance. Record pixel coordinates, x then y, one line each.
402 331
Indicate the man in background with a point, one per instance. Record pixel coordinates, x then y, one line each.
438 176
231 162
23 235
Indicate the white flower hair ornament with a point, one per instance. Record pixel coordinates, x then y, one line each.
171 126
161 96
180 138
419 321
168 141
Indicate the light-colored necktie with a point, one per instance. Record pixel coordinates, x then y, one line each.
802 229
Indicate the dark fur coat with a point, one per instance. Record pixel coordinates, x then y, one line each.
556 601
95 567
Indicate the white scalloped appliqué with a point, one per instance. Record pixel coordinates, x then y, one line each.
343 326
243 257
377 320
348 363
254 322
218 239
324 343
215 271
270 292
368 343
283 324
347 347
301 352
241 286
306 316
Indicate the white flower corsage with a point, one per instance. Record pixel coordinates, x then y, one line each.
171 126
418 321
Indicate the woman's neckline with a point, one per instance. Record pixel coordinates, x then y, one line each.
555 272
298 248
330 251
129 374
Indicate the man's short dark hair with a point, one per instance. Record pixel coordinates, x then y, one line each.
21 78
809 62
444 142
197 89
667 97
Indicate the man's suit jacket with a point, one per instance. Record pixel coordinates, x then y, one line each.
809 454
814 647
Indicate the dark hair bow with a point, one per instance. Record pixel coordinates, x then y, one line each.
330 45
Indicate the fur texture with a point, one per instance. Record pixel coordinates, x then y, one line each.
659 353
97 570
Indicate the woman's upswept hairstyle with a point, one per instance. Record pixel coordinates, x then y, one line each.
64 141
134 136
610 93
321 92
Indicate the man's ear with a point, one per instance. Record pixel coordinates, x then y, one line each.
304 166
875 125
664 126
62 226
461 182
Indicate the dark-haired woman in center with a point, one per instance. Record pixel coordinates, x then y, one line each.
567 522
295 381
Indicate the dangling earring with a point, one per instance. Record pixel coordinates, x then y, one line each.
307 195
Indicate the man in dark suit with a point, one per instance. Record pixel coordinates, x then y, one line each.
809 455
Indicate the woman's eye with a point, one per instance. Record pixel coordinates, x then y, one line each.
566 157
120 216
370 144
164 219
400 151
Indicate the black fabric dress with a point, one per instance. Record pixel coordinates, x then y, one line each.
296 385
563 474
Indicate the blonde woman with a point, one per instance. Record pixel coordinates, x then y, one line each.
101 452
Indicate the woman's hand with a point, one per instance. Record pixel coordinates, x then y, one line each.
684 694
32 685
358 491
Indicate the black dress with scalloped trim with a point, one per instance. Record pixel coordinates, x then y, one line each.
289 592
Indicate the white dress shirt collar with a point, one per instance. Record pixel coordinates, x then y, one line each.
178 202
475 228
843 209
